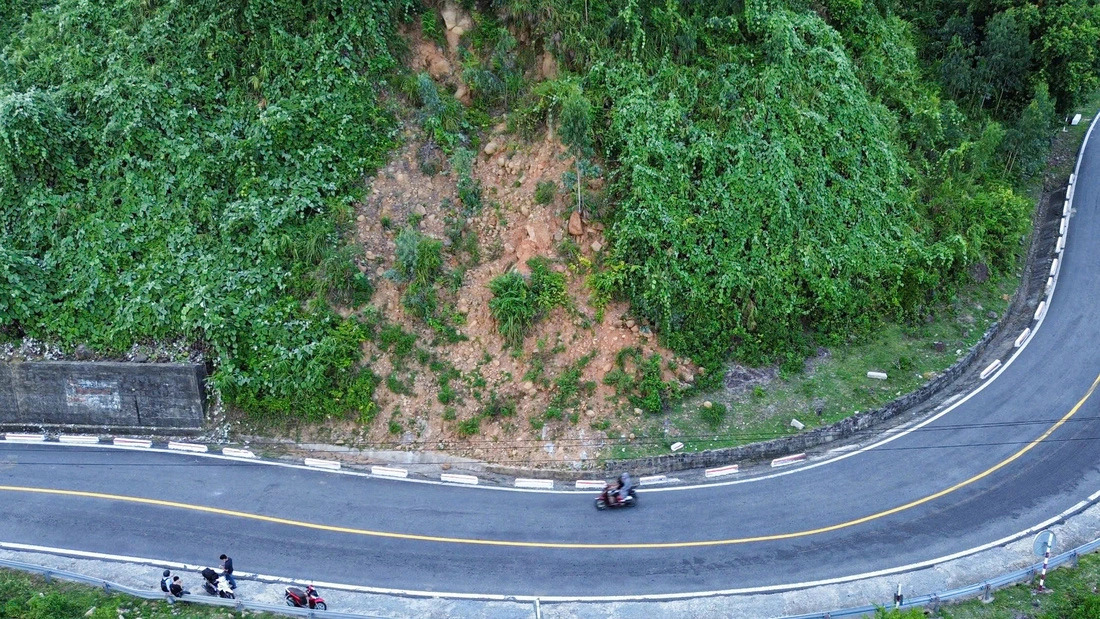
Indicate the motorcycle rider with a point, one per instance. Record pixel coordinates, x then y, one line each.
622 487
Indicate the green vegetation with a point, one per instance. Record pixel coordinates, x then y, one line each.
186 169
26 596
518 303
785 172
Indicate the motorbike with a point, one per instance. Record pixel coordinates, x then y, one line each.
217 585
303 599
607 498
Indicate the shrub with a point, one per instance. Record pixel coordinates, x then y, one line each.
715 415
499 406
469 427
545 192
512 306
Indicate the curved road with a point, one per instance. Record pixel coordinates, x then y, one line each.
1020 450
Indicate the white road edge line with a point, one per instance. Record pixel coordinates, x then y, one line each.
617 598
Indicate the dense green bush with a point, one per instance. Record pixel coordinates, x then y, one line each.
519 302
186 168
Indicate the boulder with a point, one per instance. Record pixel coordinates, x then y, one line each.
576 226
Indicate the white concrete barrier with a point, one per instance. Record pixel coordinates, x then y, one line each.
237 453
541 484
1022 337
1050 284
322 464
1065 209
133 442
677 446
989 369
1039 310
79 439
590 484
785 460
721 470
653 479
1054 267
877 375
16 437
194 447
456 478
1069 192
387 471
797 425
1063 226
1072 179
1061 244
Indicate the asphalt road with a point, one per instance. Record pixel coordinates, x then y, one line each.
1022 449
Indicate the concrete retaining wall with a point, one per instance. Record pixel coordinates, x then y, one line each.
119 396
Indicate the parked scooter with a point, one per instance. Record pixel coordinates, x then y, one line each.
217 585
609 498
303 599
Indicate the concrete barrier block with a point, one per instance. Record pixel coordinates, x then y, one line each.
133 442
989 369
1049 285
1023 336
653 479
541 484
192 447
797 425
785 460
590 484
1062 227
1039 310
456 478
15 437
388 471
721 471
1076 121
677 446
237 453
322 464
877 375
1054 264
79 439
1065 209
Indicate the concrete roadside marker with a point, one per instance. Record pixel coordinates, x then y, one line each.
677 446
989 369
1072 178
79 439
590 484
1061 244
797 425
15 437
322 464
785 460
237 453
1076 120
1069 192
195 447
1039 310
541 484
1062 226
1050 284
133 442
877 375
1065 209
1053 267
653 479
1023 336
456 478
721 470
388 471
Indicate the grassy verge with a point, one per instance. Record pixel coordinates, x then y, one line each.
29 596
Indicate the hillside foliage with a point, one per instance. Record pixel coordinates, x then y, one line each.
780 173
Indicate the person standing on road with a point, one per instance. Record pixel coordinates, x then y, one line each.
176 588
227 571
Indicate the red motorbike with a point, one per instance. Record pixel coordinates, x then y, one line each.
609 498
304 599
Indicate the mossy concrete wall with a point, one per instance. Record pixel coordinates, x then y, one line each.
131 397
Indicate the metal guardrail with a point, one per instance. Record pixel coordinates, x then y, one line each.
932 600
145 594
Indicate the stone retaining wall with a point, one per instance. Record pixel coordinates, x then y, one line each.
145 397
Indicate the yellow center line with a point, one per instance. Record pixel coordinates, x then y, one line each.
566 545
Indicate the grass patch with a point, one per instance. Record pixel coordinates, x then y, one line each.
29 596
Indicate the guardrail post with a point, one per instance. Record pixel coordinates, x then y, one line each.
934 604
987 593
48 575
106 587
898 598
1074 559
538 609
